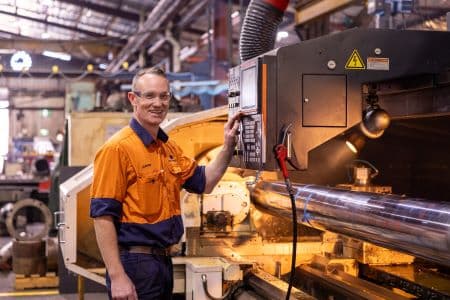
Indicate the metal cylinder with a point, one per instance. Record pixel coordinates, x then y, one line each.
5 253
52 254
415 226
15 218
29 257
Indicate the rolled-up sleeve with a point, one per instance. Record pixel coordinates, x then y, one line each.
196 183
105 207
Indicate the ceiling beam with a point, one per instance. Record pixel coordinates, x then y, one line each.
195 31
13 34
160 13
77 48
90 33
192 14
104 9
318 8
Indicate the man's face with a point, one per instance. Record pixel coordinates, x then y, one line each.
150 99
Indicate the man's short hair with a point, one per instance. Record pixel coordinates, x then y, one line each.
153 70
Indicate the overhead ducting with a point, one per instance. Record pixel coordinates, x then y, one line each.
260 27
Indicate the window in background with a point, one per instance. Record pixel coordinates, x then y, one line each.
4 131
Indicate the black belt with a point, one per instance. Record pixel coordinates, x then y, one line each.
146 250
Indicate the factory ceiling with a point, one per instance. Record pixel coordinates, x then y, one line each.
116 34
108 32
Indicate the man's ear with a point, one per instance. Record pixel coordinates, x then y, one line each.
132 98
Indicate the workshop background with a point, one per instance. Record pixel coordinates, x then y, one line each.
65 69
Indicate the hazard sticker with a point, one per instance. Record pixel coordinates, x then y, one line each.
355 62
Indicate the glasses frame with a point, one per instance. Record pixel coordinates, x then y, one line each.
153 99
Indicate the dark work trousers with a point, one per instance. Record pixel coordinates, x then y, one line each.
152 275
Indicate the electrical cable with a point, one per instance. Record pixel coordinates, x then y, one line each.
231 290
281 156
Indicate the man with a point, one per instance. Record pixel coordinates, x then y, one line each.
135 201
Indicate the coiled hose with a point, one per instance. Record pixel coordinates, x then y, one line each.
260 27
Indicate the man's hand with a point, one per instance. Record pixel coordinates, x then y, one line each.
231 131
122 288
215 169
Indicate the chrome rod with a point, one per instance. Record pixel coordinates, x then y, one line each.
415 226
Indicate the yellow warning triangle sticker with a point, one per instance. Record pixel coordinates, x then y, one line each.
355 62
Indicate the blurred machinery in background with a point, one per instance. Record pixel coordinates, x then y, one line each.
31 252
386 94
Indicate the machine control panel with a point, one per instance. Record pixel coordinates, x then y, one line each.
244 96
251 139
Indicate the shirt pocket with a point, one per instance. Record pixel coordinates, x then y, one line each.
175 170
149 185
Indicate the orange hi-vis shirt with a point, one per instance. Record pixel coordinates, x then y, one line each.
137 181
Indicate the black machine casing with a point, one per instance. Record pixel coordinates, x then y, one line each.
319 88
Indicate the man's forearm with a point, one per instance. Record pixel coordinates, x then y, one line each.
216 168
107 243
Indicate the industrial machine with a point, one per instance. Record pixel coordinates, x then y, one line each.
367 227
353 88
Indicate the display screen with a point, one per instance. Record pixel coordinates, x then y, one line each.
249 97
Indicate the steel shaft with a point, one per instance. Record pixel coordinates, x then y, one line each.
415 226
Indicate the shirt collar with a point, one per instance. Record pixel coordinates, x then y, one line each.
143 134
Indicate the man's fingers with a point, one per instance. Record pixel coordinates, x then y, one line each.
236 125
234 119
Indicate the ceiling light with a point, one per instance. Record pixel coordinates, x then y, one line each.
45 35
7 51
47 2
4 93
45 113
60 136
282 35
235 14
43 131
20 61
57 55
4 104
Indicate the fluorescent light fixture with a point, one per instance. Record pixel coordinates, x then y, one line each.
205 35
282 35
4 94
4 104
235 14
45 113
187 51
7 51
44 131
59 137
57 55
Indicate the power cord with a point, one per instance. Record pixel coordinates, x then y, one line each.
281 156
228 294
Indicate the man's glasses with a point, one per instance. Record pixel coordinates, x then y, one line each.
152 96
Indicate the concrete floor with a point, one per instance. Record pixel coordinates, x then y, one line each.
7 290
